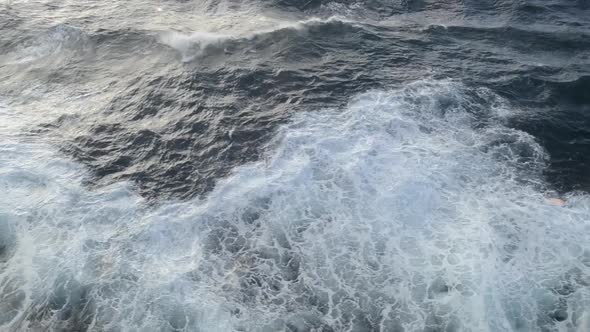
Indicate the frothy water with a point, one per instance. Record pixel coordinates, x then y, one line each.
192 45
413 209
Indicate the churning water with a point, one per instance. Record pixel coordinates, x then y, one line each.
294 166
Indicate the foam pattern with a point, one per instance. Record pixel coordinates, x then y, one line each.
409 210
192 45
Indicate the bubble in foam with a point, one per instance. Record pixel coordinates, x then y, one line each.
409 210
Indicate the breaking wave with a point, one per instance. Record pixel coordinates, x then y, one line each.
409 210
192 45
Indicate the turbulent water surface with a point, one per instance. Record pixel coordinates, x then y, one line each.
295 165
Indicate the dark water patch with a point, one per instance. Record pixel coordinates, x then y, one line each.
571 9
563 133
572 13
384 8
575 92
521 39
175 135
560 118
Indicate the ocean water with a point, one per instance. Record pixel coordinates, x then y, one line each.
293 165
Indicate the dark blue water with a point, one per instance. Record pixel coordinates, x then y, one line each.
295 165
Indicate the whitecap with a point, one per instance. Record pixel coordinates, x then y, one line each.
402 211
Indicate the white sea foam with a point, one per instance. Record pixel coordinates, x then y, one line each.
412 209
193 44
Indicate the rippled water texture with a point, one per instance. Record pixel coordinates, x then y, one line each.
286 165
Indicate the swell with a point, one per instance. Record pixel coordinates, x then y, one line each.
172 114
